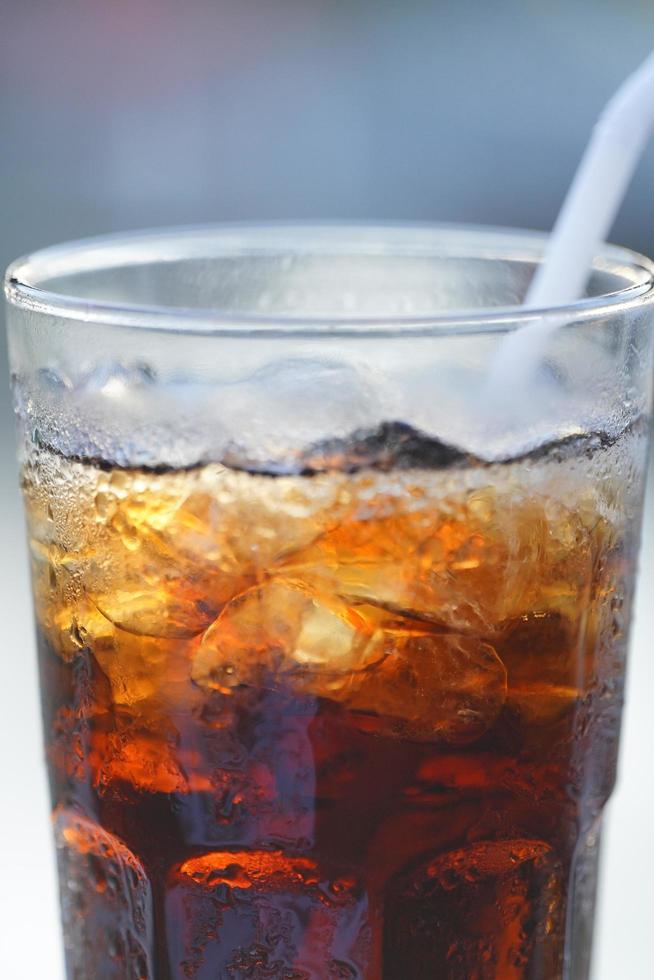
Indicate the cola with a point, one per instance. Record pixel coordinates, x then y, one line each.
351 715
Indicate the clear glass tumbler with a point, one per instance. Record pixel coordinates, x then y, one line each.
331 651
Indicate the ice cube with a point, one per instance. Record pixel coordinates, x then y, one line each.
133 757
106 902
146 673
137 576
97 538
281 634
431 558
116 537
548 664
432 687
265 914
234 520
258 754
421 549
409 681
161 556
491 909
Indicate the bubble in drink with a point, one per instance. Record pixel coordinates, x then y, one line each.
348 716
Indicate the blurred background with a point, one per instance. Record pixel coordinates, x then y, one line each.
133 113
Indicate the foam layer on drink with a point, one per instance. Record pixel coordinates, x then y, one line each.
273 416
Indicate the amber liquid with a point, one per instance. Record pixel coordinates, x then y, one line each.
348 725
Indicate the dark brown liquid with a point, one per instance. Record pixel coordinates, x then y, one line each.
327 727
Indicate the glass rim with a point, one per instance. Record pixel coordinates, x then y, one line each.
24 277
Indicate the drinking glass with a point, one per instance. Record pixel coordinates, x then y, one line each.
331 642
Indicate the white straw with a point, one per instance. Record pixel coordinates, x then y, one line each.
584 222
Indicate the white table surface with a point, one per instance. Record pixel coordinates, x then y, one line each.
30 946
